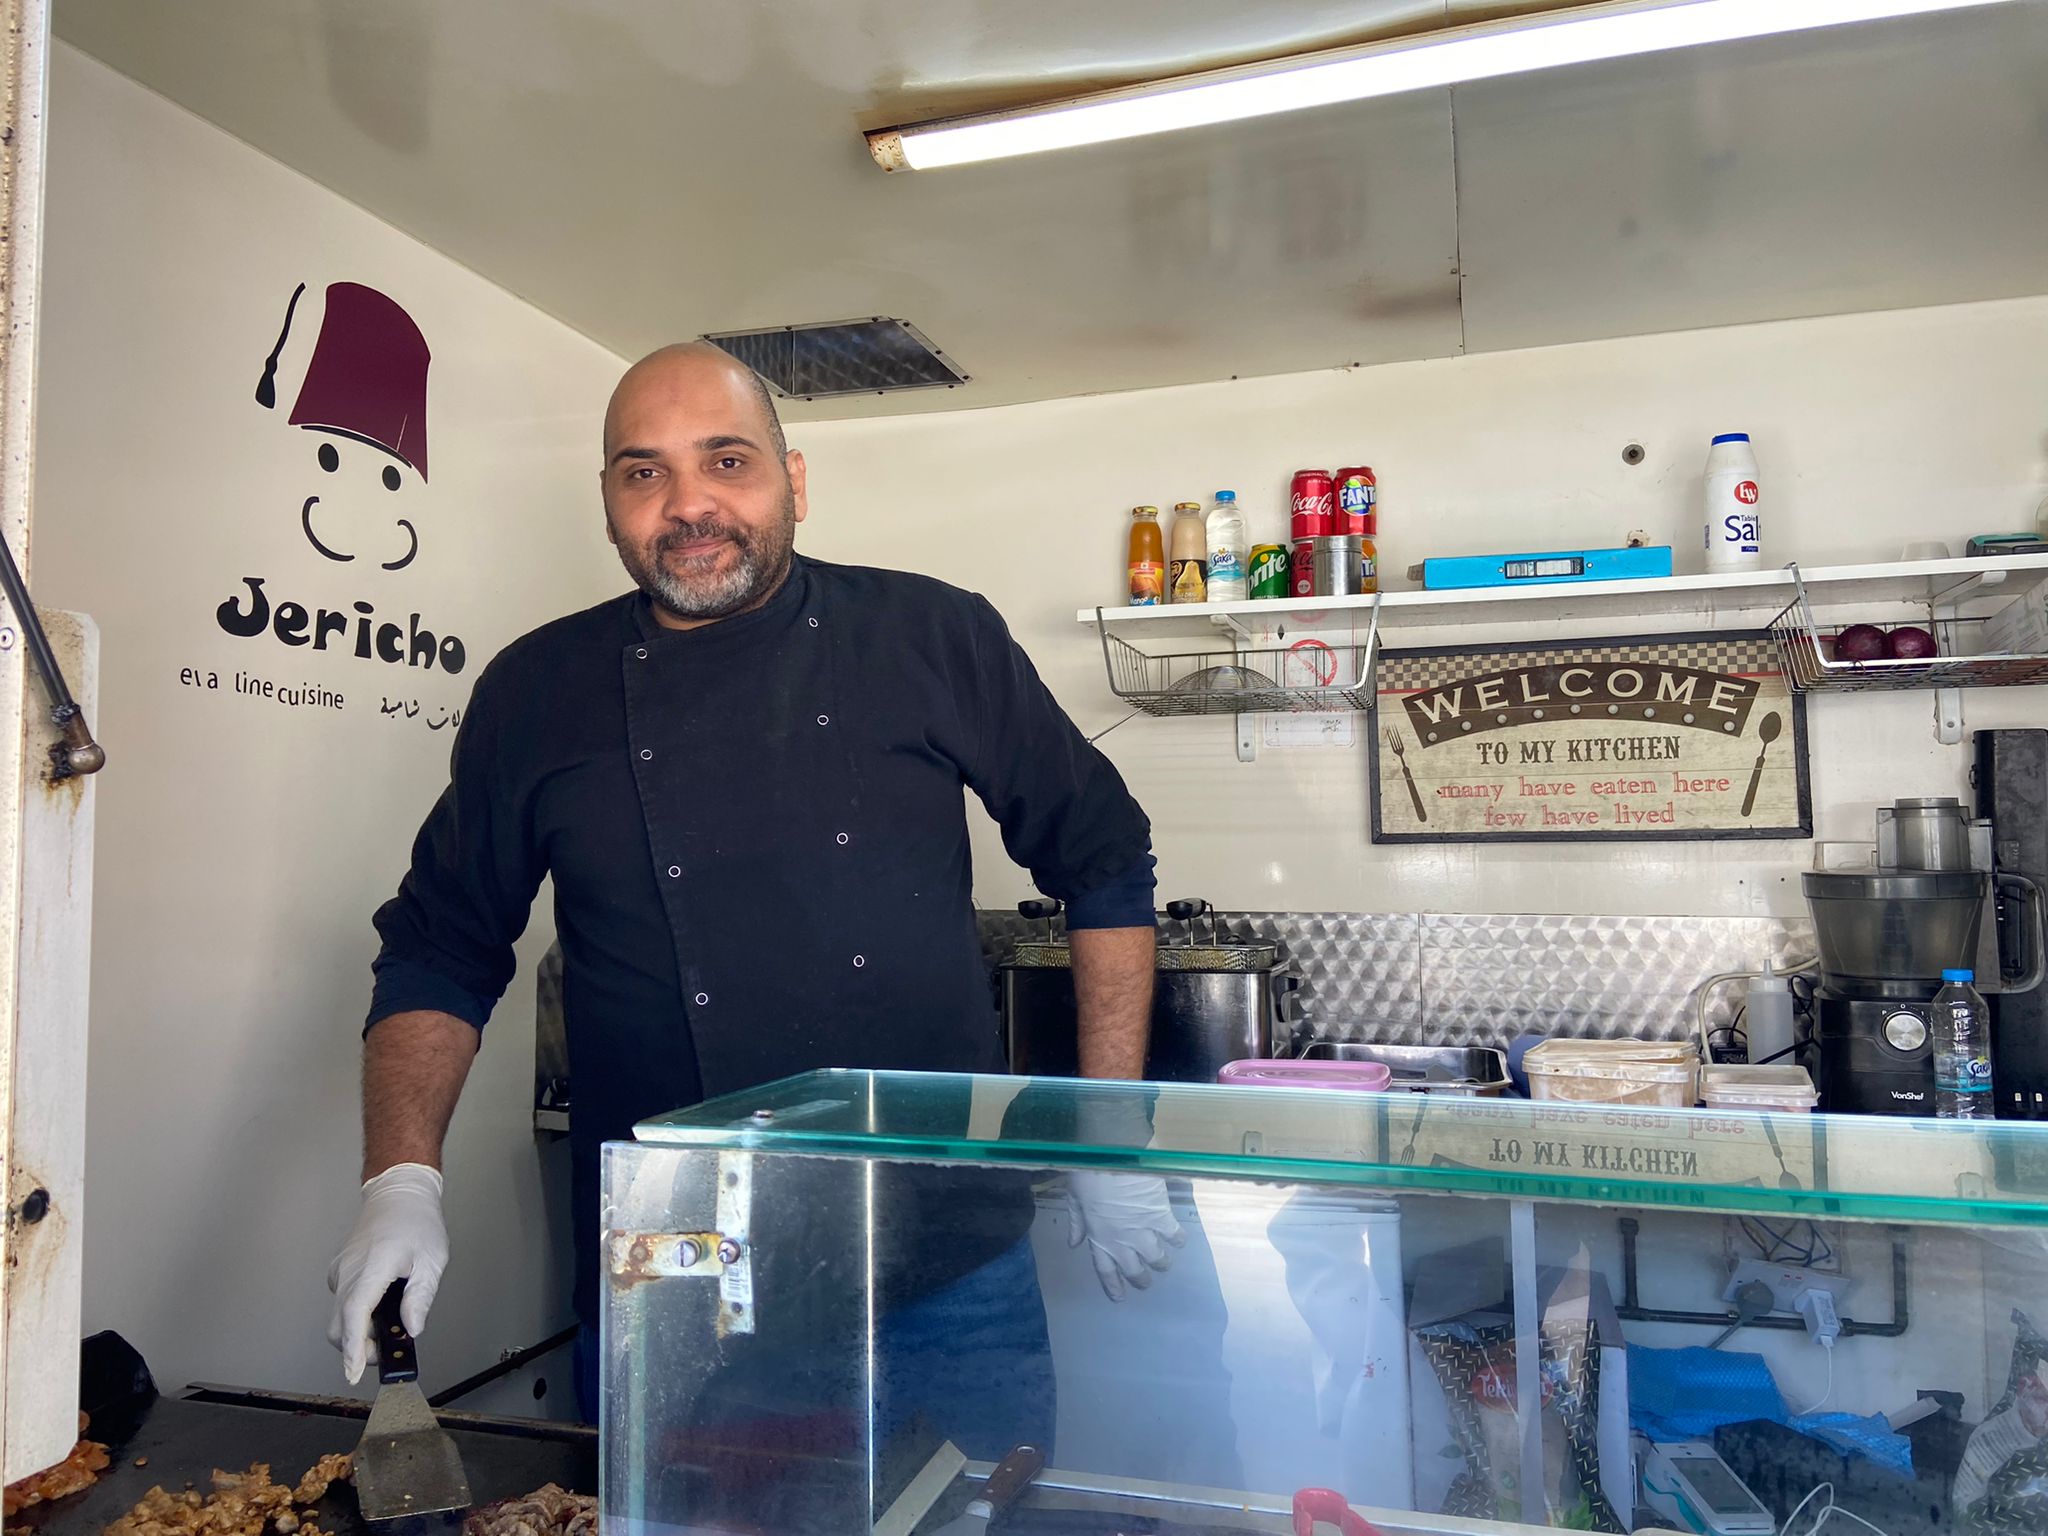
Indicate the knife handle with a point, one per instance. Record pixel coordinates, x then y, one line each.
1012 1475
395 1358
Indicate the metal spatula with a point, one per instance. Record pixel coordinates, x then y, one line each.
405 1463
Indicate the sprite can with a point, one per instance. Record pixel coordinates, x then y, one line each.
1269 570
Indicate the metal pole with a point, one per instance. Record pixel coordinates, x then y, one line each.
77 753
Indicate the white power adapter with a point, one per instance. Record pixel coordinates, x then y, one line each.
1823 1323
1823 1326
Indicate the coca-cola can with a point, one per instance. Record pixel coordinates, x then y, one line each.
1302 569
1358 498
1313 502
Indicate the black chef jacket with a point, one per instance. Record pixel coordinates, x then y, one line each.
758 840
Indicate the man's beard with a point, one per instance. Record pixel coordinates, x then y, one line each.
760 562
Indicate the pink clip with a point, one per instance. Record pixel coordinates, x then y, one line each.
1326 1506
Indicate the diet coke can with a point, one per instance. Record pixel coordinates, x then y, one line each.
1302 569
1358 497
1313 500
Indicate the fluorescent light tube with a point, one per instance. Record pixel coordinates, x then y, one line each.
1482 52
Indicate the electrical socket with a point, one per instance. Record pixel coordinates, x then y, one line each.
1785 1282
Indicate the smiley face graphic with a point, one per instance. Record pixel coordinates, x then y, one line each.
384 478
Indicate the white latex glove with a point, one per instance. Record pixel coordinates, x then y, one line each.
398 1235
1128 1224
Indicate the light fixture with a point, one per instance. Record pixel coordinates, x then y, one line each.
1480 52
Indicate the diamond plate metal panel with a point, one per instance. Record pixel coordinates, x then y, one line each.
1488 978
1361 972
1407 978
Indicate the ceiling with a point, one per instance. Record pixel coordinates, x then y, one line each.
647 170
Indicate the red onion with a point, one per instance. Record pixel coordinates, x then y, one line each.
1909 642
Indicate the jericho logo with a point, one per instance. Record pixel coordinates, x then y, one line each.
294 624
362 406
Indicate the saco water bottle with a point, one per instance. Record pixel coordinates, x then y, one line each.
1962 1049
1227 552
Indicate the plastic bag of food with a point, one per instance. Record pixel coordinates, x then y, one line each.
1476 1368
2002 1485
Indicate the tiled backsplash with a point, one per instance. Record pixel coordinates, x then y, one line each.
1482 979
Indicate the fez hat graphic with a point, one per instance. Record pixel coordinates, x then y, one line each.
368 376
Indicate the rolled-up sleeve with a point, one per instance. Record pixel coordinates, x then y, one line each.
1128 901
406 986
1063 808
448 933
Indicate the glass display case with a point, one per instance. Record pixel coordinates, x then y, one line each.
838 1304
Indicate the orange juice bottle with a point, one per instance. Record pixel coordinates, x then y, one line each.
1148 559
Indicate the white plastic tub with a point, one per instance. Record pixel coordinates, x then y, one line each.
1786 1089
1645 1074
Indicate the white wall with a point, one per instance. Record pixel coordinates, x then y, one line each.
1871 430
243 843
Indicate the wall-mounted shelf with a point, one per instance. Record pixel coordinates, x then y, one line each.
1196 681
1762 593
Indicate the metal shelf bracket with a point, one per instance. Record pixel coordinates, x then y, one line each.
1948 702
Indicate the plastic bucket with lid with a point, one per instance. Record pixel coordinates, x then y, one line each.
1780 1088
1649 1074
1353 1076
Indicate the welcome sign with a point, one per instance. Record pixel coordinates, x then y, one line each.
1669 737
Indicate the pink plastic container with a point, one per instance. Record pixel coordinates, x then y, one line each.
1353 1076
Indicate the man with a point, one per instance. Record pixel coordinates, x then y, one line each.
745 779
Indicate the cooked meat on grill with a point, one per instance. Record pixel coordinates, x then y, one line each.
74 1474
323 1474
241 1504
547 1511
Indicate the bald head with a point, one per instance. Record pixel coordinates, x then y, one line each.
691 375
701 496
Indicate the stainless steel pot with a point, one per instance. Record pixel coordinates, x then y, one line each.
1201 1020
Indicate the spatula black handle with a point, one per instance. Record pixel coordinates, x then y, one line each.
395 1358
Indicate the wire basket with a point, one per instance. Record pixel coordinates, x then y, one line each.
1810 669
1309 675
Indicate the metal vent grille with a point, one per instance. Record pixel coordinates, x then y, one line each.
841 357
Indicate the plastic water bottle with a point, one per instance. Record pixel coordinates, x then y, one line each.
1227 552
1962 1050
1732 528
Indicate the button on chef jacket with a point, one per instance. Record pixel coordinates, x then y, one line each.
758 840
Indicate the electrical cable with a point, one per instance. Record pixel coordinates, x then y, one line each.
1700 996
1827 1509
1781 1247
1816 1408
1823 1251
